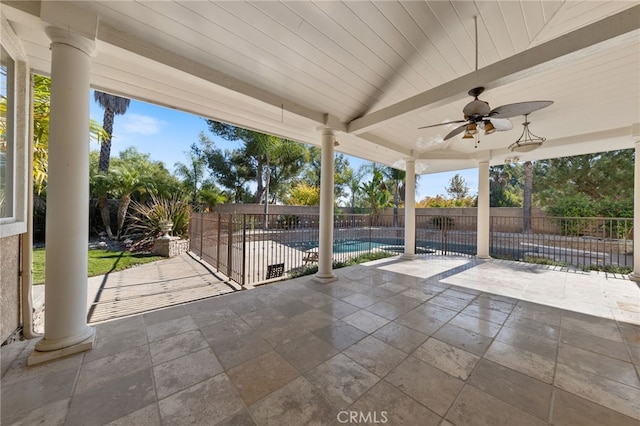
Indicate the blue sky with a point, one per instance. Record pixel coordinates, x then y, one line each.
166 135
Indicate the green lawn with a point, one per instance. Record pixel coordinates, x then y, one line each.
100 262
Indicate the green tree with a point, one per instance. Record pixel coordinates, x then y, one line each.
438 201
458 188
41 112
342 175
396 181
232 170
134 176
506 185
124 181
193 172
263 154
354 181
596 181
258 147
376 194
303 194
210 196
596 175
289 159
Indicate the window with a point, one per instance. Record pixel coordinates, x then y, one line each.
7 141
14 134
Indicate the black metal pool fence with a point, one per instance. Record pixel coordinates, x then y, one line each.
253 248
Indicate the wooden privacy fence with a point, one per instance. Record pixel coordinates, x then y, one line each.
255 248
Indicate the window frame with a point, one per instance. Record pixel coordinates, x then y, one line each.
20 136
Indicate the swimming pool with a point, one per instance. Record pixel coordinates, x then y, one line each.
350 246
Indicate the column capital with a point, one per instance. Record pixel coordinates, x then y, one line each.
71 38
328 131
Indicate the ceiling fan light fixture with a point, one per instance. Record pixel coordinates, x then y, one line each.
472 128
488 127
468 135
527 140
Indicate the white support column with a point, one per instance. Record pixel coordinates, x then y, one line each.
66 330
325 248
483 210
635 275
410 210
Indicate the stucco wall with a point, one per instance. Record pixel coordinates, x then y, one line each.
299 210
508 219
9 286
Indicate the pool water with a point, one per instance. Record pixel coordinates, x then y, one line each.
349 246
354 245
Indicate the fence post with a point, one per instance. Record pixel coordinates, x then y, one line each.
244 247
218 241
230 247
370 229
201 232
190 224
445 243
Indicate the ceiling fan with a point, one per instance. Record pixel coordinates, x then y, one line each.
478 115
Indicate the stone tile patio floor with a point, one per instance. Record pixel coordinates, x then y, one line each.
438 340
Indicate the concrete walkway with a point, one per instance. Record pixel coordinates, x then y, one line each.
147 287
152 286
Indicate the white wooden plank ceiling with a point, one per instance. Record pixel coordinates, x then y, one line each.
287 67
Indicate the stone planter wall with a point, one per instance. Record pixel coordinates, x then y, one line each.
171 247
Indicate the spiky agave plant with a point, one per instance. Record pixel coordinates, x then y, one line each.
146 217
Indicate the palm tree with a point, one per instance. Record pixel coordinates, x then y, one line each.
396 179
113 105
192 175
354 179
125 181
376 194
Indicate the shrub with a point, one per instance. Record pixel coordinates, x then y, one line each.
613 269
615 207
568 209
366 257
288 221
578 205
543 261
441 222
147 217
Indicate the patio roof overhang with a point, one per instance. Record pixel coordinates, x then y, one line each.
374 71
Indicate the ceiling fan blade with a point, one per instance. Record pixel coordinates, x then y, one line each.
456 131
442 124
520 108
501 124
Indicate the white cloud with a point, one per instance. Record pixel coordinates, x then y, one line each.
141 124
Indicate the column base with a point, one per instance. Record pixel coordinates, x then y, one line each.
324 279
483 256
635 276
407 256
41 353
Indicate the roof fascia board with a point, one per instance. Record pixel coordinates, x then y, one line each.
568 47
